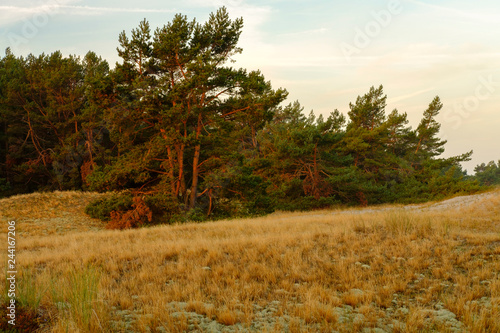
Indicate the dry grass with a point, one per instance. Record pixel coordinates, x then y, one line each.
396 269
45 214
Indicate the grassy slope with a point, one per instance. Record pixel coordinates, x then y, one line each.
46 214
428 268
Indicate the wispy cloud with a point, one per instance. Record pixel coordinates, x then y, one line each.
12 14
474 15
306 32
85 10
403 97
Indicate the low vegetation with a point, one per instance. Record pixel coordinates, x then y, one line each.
421 268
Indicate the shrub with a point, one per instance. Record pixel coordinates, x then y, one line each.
133 218
5 187
27 319
125 210
102 208
165 207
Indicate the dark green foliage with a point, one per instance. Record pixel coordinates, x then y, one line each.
102 208
369 110
429 145
236 191
162 207
5 187
165 208
50 115
488 174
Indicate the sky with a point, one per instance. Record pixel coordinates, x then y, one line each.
324 52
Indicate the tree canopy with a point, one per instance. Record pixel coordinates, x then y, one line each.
182 134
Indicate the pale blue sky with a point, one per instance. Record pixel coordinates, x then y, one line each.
325 53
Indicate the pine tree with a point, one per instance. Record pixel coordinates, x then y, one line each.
488 174
429 144
369 110
298 152
181 110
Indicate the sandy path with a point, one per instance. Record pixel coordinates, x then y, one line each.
457 203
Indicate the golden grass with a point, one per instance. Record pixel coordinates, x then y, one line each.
397 269
43 214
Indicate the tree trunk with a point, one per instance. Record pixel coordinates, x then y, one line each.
181 183
171 171
196 162
194 185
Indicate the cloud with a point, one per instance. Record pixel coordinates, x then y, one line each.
88 10
306 32
14 14
403 97
473 15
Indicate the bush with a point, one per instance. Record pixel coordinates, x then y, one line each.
165 208
124 210
27 319
133 218
102 208
488 174
5 187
